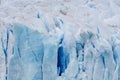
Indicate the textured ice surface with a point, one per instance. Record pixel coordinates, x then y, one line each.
59 40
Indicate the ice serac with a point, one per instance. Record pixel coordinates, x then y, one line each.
35 55
26 63
94 57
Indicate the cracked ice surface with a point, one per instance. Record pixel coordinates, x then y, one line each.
59 40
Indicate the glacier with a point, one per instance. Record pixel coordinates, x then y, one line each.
59 40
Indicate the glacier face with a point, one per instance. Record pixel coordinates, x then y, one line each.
59 40
58 55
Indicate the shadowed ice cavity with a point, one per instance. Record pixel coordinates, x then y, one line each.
35 55
63 58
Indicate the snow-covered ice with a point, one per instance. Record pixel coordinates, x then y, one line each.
59 39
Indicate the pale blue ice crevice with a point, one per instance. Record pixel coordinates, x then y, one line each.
115 43
6 48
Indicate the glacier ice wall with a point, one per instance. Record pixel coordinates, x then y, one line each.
59 40
29 54
35 55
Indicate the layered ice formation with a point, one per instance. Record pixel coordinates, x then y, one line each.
59 40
